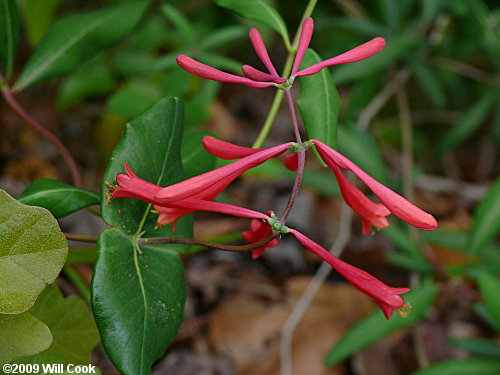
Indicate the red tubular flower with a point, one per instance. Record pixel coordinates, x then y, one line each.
395 203
388 298
131 186
198 184
258 230
259 79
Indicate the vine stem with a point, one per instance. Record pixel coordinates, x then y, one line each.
278 97
80 237
66 155
301 161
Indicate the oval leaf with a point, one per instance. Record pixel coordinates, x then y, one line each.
138 292
375 326
75 39
319 102
73 329
195 159
486 220
25 335
59 198
466 366
9 33
32 253
260 11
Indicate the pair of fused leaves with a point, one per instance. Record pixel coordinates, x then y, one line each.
39 326
69 42
138 290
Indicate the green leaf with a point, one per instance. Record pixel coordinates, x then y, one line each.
25 335
319 102
221 37
489 286
137 290
59 198
395 49
195 159
482 347
185 31
197 109
37 15
375 326
470 120
74 331
94 78
465 366
9 34
73 40
32 253
221 62
138 300
260 11
133 98
430 83
486 220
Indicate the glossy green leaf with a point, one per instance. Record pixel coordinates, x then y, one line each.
73 40
489 286
195 159
32 253
486 220
133 98
470 120
260 11
375 326
395 49
25 335
71 324
477 346
9 34
37 15
138 293
319 102
138 300
360 147
465 366
59 198
94 78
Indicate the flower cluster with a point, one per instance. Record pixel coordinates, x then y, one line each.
198 193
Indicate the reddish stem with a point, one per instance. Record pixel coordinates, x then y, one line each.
11 101
301 161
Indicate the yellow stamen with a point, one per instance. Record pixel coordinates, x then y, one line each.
403 310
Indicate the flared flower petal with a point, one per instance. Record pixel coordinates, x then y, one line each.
305 39
197 184
260 49
258 230
205 71
388 298
359 53
398 205
371 213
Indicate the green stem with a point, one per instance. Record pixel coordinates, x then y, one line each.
78 282
80 237
278 97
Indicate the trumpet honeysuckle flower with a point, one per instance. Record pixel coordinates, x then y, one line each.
132 186
230 151
258 79
388 298
394 202
258 230
209 180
